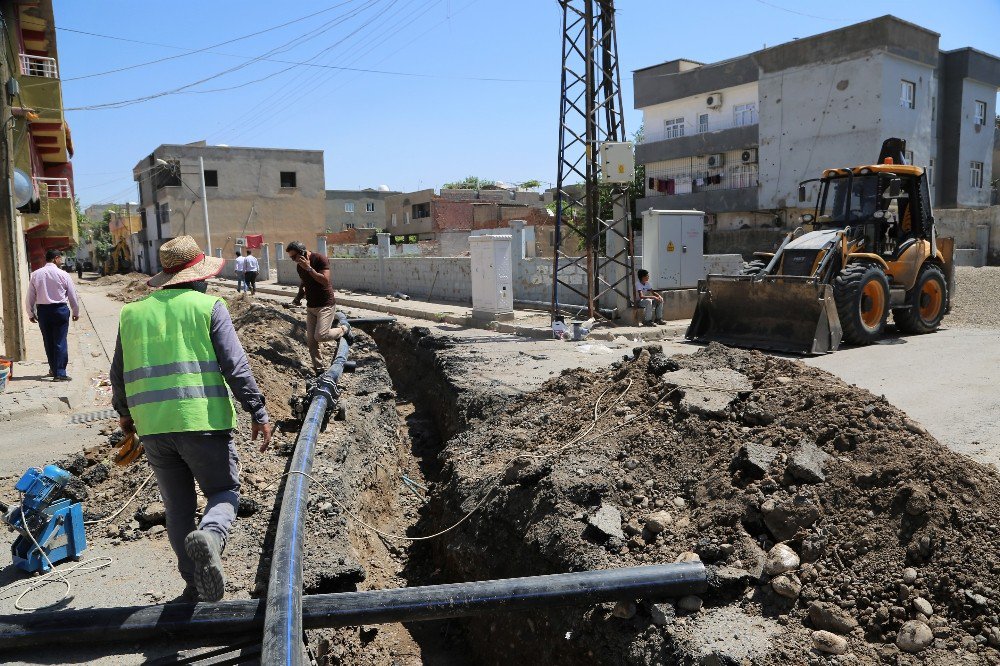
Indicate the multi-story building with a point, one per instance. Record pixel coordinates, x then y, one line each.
278 193
356 209
42 142
734 138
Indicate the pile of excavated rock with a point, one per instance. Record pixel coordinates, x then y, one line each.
834 525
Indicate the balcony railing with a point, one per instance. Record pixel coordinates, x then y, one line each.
691 128
33 65
57 188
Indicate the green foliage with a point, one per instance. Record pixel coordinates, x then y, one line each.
96 231
471 183
530 185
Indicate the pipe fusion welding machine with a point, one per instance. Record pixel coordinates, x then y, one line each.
51 529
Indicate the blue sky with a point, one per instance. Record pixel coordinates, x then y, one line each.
448 118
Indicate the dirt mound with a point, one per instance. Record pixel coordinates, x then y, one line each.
724 454
131 287
974 302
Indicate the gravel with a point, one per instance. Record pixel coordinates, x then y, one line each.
974 303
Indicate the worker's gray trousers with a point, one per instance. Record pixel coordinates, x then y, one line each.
653 308
180 459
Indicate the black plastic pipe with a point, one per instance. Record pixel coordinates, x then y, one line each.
282 643
361 321
217 622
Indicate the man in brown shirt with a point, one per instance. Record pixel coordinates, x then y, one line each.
314 273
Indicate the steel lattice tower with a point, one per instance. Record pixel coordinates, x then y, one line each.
590 113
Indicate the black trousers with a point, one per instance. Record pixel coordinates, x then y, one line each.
53 320
250 277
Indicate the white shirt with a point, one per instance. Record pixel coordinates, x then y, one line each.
250 263
640 287
241 264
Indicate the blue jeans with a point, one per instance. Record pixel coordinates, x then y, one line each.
178 460
53 320
240 282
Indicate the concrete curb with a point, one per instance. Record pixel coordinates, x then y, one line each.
399 309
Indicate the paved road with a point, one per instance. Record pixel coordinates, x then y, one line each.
947 381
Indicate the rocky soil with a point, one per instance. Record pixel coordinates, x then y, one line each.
975 300
358 470
132 286
840 525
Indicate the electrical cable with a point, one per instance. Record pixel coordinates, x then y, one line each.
302 80
251 121
301 39
124 506
205 49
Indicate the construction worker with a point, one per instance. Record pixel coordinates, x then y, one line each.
314 276
176 351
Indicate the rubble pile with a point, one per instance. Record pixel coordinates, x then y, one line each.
131 287
834 523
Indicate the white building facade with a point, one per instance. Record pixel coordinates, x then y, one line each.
735 138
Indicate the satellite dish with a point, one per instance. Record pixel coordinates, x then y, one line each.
383 188
24 192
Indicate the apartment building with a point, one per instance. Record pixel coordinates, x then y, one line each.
42 142
276 192
734 138
356 209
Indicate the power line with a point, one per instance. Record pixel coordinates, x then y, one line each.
793 11
302 81
182 55
173 91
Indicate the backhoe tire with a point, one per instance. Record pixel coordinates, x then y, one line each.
928 301
755 267
862 295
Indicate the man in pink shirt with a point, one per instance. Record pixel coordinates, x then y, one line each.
50 296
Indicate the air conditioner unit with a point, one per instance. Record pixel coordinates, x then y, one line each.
240 241
714 101
716 160
749 156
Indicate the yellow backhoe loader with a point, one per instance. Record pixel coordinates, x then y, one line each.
119 259
870 248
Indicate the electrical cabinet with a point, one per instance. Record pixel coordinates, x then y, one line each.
617 162
673 247
492 277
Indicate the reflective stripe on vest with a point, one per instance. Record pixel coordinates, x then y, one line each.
173 382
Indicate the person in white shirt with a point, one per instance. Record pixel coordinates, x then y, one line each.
250 268
651 301
241 263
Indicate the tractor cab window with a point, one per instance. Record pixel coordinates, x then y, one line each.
847 200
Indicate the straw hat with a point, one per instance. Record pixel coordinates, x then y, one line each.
183 261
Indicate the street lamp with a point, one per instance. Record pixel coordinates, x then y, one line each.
204 196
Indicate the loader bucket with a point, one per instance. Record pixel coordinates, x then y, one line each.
775 312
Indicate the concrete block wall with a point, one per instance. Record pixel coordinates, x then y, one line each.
972 228
450 278
437 278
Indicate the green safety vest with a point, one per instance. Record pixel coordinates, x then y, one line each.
173 382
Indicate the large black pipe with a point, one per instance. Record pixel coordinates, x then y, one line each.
217 622
282 642
361 321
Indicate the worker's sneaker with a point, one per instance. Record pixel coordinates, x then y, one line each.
62 378
205 549
659 322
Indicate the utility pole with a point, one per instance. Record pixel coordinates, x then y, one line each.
590 115
204 206
12 268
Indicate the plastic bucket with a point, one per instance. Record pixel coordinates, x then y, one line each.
6 372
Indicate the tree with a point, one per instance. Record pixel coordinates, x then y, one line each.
530 185
96 231
471 183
